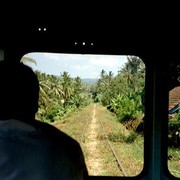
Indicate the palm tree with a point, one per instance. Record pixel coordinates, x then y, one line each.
44 87
103 73
133 70
26 59
78 85
67 88
56 88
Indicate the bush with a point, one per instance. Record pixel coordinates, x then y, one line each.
120 137
131 138
174 131
174 123
116 137
53 113
127 107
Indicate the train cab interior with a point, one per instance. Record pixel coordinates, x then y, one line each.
156 45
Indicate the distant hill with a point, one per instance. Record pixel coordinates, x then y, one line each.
89 81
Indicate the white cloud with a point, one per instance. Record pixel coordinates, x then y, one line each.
108 61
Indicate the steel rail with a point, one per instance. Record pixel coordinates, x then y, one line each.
111 147
114 152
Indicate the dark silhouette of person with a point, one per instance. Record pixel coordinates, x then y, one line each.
30 149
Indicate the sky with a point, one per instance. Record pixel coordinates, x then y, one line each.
84 66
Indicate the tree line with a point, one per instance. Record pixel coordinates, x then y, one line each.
123 94
60 95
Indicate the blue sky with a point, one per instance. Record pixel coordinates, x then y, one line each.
84 66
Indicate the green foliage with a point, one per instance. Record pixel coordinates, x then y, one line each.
132 137
116 137
174 123
173 161
174 130
124 93
52 113
60 95
174 153
120 137
127 107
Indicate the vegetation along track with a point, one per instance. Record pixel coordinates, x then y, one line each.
92 127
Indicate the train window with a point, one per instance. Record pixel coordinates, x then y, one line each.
99 101
174 121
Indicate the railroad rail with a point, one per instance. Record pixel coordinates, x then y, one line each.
120 166
113 150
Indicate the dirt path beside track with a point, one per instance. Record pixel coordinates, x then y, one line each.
93 158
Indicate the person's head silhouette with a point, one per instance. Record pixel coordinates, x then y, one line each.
19 91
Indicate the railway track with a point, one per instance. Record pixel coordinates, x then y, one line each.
100 125
91 127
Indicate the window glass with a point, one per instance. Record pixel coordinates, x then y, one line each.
99 101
